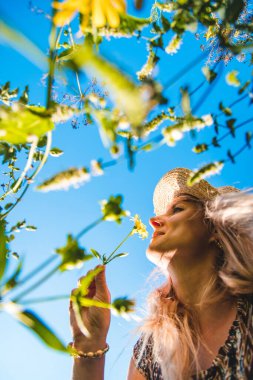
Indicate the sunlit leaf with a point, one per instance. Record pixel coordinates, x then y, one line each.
95 253
123 254
19 124
35 324
55 152
3 248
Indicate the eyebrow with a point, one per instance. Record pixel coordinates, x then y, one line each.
184 198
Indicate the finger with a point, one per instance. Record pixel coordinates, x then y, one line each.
102 290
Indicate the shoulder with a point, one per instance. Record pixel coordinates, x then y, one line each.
134 373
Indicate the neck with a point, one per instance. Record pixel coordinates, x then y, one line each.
190 278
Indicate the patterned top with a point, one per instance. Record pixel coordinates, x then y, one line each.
234 360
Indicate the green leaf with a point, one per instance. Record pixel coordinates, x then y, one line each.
6 94
226 110
230 156
123 254
3 248
8 205
30 228
231 126
18 125
210 75
13 280
243 88
35 324
72 255
95 253
233 10
56 152
248 138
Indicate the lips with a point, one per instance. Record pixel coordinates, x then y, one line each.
157 233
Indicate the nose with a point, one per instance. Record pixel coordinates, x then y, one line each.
155 222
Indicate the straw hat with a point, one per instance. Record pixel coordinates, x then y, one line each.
174 183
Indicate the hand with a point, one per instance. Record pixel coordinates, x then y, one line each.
96 319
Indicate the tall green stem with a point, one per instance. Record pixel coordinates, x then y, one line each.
38 269
120 244
36 285
45 299
89 227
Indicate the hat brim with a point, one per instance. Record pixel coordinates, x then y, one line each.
174 183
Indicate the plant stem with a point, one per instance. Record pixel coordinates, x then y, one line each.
36 285
17 201
184 70
77 77
45 299
38 269
120 244
27 167
89 227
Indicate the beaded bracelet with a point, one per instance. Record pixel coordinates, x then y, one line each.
91 355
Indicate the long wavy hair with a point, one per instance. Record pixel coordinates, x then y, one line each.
172 327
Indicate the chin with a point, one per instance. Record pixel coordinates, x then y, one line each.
159 257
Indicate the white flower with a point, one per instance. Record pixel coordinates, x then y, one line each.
208 120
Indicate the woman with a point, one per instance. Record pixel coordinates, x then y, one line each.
200 321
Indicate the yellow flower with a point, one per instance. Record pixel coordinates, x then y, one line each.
139 228
101 12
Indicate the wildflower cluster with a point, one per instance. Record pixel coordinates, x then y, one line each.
64 180
139 227
112 209
72 255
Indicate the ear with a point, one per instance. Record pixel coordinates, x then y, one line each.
214 237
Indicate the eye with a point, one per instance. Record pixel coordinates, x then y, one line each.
177 209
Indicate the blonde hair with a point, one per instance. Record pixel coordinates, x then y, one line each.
172 327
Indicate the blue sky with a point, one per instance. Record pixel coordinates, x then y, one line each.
58 213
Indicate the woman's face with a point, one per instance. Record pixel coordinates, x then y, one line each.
181 229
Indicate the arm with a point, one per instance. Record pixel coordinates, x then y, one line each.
97 321
133 373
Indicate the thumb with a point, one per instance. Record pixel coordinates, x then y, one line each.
102 290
